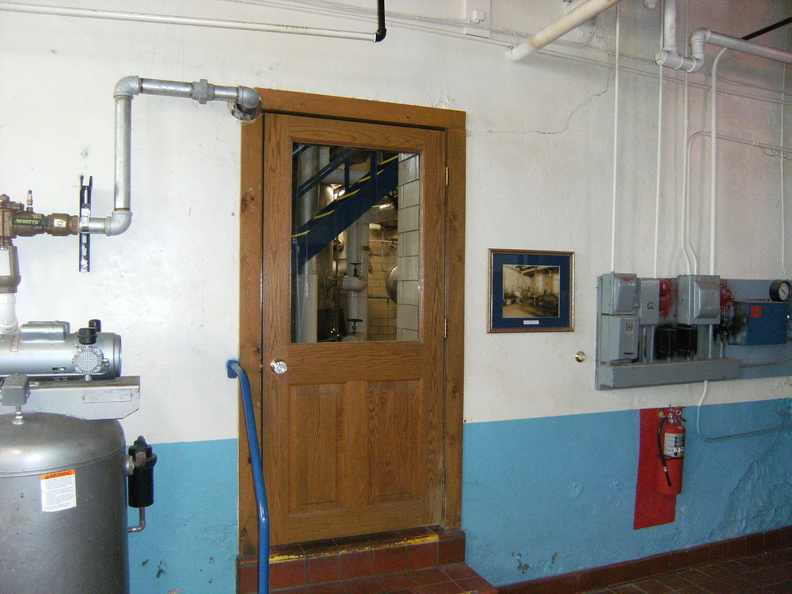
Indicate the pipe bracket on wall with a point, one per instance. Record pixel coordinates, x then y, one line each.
85 214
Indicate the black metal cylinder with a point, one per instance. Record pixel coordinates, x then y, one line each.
141 481
665 342
687 341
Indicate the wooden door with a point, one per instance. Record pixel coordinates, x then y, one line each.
327 491
353 431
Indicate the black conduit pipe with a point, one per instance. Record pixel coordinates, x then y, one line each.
381 30
772 27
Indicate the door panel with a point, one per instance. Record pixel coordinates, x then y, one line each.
352 430
318 419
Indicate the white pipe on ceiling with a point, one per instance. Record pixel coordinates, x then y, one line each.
93 13
574 18
702 36
669 56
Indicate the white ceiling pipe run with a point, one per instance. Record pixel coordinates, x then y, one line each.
671 58
93 13
669 26
702 36
697 57
245 104
565 24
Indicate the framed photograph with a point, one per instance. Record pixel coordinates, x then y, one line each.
531 291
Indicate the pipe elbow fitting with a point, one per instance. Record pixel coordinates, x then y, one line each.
247 106
669 59
678 62
520 52
697 40
248 98
700 37
118 222
127 87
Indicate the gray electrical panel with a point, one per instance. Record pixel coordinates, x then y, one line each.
698 300
654 331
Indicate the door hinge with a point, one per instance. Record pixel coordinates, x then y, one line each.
446 177
445 328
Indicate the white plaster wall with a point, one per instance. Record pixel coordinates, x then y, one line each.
540 176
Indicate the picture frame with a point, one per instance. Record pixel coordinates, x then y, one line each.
531 291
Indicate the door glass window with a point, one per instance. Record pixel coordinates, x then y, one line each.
355 244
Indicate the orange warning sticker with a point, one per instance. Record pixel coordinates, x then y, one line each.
53 475
58 490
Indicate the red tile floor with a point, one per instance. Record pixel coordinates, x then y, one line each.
765 572
432 562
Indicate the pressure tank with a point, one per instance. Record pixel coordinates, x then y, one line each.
63 524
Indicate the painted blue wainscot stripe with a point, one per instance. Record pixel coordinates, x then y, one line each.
190 541
549 496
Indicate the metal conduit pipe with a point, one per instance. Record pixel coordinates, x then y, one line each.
244 102
93 13
702 36
565 24
671 58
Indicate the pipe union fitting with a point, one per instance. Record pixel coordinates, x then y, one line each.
202 91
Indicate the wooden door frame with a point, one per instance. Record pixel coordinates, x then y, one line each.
253 286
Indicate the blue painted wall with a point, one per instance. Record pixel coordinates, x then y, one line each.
541 497
549 496
190 540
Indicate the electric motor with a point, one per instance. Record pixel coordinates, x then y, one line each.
48 350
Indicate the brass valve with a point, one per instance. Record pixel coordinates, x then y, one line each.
19 220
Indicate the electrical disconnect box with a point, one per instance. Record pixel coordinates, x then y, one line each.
656 331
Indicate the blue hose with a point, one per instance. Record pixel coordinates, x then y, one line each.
235 370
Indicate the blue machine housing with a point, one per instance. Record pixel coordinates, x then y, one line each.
759 322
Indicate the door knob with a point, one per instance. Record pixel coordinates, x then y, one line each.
279 366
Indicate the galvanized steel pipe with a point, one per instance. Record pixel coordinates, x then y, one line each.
245 105
114 15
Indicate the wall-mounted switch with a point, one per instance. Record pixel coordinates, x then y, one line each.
619 339
649 301
619 294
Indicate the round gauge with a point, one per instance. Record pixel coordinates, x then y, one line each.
780 290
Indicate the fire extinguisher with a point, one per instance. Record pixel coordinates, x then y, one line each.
671 451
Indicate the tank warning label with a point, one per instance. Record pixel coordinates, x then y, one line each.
58 490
